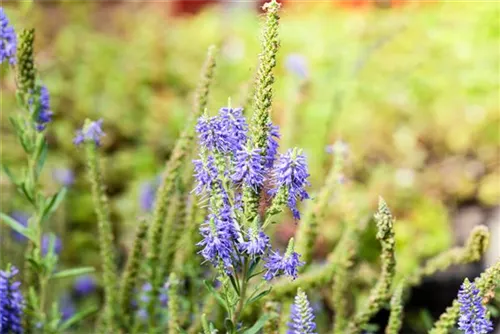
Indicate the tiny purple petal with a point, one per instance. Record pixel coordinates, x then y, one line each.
92 131
8 40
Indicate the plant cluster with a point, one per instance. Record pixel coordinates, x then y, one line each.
209 224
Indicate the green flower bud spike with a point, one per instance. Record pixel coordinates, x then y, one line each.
173 304
474 248
206 79
396 315
259 126
173 170
26 71
341 279
101 207
131 274
380 294
174 225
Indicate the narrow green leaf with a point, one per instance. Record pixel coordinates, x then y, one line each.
253 265
234 284
78 317
259 296
26 192
73 272
16 226
42 156
258 325
54 201
9 174
217 296
256 274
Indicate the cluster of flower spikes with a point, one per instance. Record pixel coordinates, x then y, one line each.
229 162
11 302
8 40
473 316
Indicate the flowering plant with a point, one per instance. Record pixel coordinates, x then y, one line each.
208 223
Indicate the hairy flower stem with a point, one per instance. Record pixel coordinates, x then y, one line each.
167 188
487 282
173 304
173 225
476 245
131 274
261 117
243 292
380 294
396 316
341 279
105 235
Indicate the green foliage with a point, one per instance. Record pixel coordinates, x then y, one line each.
427 118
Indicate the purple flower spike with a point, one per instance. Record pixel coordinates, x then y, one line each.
291 173
225 133
43 114
8 40
11 302
473 315
46 244
302 316
84 285
287 264
248 168
217 241
257 245
234 123
213 136
205 173
272 145
92 131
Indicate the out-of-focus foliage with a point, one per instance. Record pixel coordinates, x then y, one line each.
412 90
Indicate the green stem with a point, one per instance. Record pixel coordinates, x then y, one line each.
105 235
243 291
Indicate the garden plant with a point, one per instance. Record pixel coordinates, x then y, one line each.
203 258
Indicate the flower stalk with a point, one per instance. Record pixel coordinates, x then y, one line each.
106 243
380 294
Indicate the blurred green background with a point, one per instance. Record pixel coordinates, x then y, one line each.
413 90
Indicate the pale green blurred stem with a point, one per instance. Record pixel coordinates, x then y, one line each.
35 223
289 128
